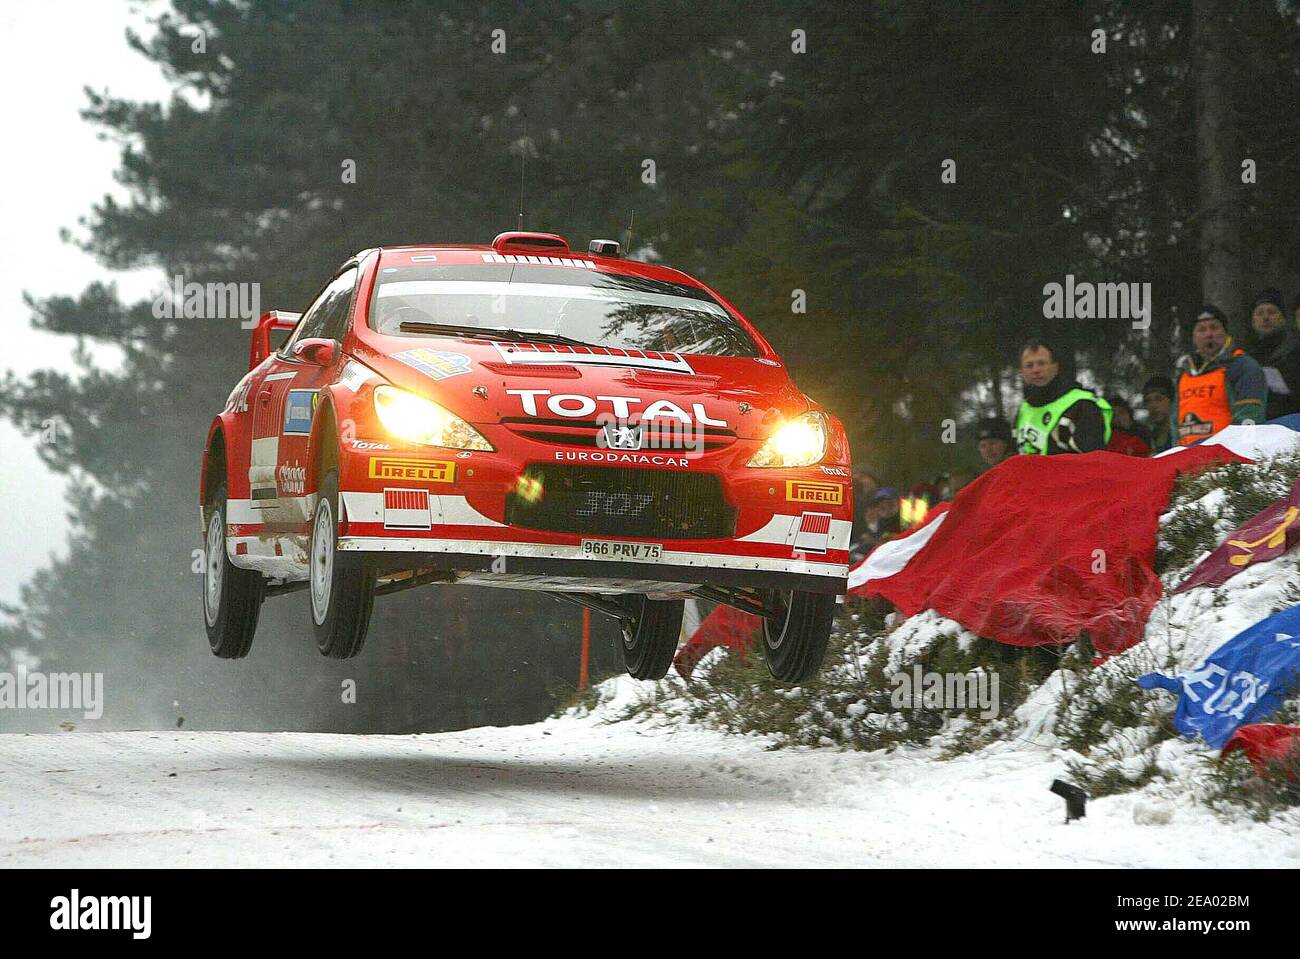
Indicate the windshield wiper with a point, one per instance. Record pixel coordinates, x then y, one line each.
491 333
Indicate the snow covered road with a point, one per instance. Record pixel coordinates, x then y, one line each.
570 792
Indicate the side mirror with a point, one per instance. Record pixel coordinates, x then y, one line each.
315 349
260 347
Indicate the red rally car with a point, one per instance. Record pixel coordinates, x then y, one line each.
524 416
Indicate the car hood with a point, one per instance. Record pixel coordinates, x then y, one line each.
742 394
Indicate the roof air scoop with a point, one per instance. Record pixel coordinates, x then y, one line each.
530 242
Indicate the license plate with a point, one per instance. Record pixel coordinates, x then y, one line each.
613 549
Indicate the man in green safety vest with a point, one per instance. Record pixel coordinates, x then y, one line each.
1057 415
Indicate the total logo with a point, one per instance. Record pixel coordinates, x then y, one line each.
577 406
293 479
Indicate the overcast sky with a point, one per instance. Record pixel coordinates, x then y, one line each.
52 168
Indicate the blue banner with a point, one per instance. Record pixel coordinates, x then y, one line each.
1291 421
1241 682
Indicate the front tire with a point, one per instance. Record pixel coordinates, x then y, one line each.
342 596
650 636
232 597
795 644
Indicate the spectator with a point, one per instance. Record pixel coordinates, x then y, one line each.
954 481
881 523
1277 350
1058 415
1158 398
996 443
1218 384
1126 436
867 483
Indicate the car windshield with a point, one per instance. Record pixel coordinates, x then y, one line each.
564 304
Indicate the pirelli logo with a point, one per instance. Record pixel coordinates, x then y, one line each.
419 471
807 491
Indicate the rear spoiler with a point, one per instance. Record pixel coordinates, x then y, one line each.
260 348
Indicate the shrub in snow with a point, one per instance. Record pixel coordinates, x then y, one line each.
1114 736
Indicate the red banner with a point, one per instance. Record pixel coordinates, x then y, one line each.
725 626
1265 536
1043 548
1266 742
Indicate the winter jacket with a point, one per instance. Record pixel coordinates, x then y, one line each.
1279 355
1227 389
1042 427
1161 434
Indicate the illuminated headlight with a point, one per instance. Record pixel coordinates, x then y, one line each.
417 420
800 442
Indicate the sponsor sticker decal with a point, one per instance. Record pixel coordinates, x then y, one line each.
421 471
299 407
814 533
435 364
810 491
292 478
354 376
548 353
625 459
406 509
580 406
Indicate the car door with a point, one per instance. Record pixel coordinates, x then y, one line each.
286 404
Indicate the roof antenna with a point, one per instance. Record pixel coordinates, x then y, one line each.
628 244
523 157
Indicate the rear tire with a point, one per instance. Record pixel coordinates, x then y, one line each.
650 636
342 596
796 645
232 597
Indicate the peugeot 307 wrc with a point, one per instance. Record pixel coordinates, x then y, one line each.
525 416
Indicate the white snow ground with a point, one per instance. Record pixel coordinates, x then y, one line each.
575 791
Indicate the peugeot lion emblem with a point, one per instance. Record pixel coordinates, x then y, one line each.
620 436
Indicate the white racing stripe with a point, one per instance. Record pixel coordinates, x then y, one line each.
445 510
783 529
286 509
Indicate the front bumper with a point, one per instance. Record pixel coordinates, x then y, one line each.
437 510
674 567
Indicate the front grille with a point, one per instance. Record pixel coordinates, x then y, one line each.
596 501
659 436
